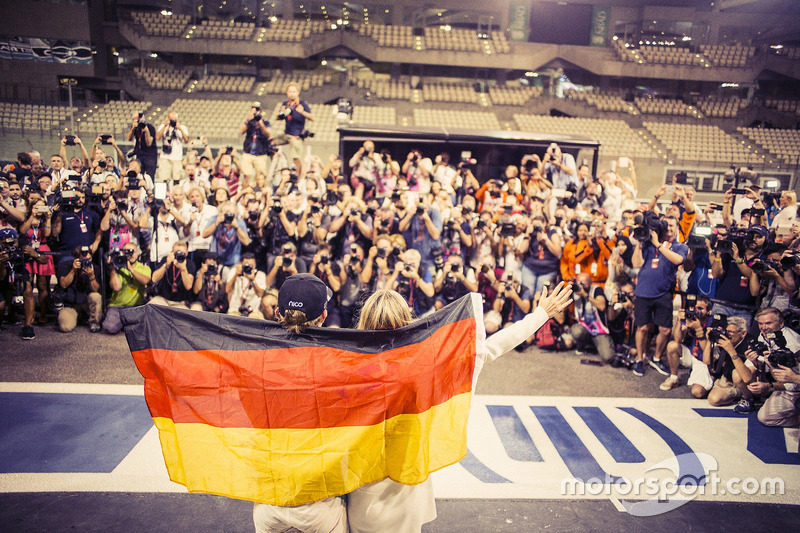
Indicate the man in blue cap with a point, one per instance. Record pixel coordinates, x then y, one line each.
15 280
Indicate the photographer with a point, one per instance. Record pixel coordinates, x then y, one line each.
36 231
174 278
780 409
15 280
143 135
682 208
559 168
245 287
453 281
282 266
776 287
379 265
353 226
312 229
173 136
12 207
294 112
226 170
657 259
367 166
76 164
352 288
257 143
96 150
738 285
787 205
326 268
421 227
619 314
590 314
417 172
228 234
513 302
76 225
413 285
726 361
577 253
128 279
79 290
124 219
279 224
209 289
457 232
687 348
200 217
165 229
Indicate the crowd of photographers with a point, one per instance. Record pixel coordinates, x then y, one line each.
663 286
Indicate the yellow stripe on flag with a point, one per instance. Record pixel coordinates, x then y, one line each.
297 466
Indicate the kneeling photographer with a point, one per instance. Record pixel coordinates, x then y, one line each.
245 287
779 349
657 255
79 290
725 354
590 308
688 344
128 279
174 278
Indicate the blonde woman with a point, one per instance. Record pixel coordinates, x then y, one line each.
390 506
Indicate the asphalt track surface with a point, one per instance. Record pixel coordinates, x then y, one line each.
529 378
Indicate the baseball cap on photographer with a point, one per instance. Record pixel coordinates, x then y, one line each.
761 230
306 293
8 233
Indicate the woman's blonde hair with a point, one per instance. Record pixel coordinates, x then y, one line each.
385 309
296 322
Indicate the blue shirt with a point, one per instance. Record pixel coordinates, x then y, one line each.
295 122
77 229
226 243
417 236
658 274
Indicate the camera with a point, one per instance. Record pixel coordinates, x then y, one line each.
770 197
323 259
228 217
508 229
118 259
717 327
782 357
395 196
283 114
229 149
105 138
649 222
791 260
305 134
760 266
484 269
315 208
287 261
480 224
537 228
382 253
257 117
69 140
456 268
211 269
408 266
180 257
247 268
276 206
86 262
420 210
697 239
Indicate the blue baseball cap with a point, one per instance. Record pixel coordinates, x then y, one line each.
8 233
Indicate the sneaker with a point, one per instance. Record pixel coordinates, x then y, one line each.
744 406
27 333
660 367
669 383
579 351
638 368
94 327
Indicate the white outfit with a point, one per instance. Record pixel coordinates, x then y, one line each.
324 516
208 216
786 216
397 508
244 291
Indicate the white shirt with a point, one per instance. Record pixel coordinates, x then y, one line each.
201 222
244 290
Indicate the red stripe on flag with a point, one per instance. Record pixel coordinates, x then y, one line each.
309 387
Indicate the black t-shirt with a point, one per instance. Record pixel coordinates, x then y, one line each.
275 234
140 148
78 228
733 286
171 285
76 292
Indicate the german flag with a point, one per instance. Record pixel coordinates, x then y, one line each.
248 410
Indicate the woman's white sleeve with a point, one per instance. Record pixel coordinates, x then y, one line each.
506 339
